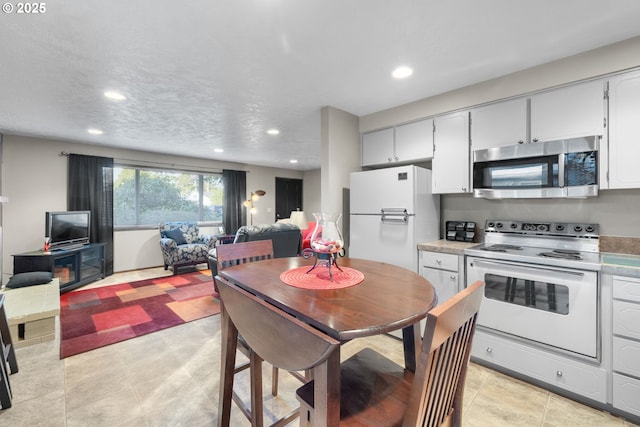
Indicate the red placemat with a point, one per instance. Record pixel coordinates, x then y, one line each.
318 278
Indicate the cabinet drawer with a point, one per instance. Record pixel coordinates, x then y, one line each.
626 288
626 319
440 260
626 394
626 356
581 378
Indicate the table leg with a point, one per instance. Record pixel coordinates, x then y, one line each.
326 377
256 389
229 335
411 340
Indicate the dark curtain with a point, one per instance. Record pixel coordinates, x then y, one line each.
235 191
90 188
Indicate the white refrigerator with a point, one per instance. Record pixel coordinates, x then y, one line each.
392 210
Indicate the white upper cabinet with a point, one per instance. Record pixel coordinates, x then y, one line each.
495 125
569 112
377 147
414 141
451 168
624 131
402 144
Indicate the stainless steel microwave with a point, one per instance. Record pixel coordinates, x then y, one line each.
548 169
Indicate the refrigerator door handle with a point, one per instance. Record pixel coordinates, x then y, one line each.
394 215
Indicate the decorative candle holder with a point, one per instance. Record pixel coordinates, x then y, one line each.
326 242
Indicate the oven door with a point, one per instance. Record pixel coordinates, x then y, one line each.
550 305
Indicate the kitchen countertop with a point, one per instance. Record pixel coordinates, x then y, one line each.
621 264
612 263
446 246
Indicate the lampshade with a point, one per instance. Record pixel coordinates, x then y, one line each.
300 219
255 195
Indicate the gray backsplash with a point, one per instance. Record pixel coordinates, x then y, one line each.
616 211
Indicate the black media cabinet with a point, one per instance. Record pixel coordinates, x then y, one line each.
73 267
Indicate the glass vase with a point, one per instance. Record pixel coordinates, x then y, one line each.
326 237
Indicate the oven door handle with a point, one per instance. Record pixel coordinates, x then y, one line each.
555 270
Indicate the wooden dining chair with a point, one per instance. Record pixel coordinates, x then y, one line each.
272 334
374 391
236 254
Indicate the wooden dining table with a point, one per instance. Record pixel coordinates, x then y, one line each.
387 299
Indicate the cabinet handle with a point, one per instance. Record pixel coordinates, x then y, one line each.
489 350
521 142
397 158
452 277
535 140
558 374
389 159
464 189
439 261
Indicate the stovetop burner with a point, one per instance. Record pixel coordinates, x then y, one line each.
501 248
560 253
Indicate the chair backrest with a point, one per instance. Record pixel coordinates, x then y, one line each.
189 229
271 333
241 253
436 396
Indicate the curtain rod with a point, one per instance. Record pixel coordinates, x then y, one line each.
137 162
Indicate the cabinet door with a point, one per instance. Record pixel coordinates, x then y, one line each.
414 141
624 128
570 112
495 125
377 147
91 263
444 282
451 169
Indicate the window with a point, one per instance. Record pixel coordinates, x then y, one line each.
150 196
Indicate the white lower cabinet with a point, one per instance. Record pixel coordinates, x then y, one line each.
626 394
582 378
626 344
443 271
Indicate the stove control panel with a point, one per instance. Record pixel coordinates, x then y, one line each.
566 229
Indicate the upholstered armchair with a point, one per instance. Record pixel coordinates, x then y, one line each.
182 245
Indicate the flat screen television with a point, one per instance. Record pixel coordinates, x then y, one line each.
68 229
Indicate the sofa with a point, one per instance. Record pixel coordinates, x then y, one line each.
182 245
286 239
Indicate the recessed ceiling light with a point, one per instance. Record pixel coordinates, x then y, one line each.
402 72
218 150
293 161
116 96
273 131
93 131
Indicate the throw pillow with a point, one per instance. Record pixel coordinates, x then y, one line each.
22 280
176 234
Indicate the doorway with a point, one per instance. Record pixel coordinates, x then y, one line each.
288 196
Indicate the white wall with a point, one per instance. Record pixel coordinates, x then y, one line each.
340 154
34 177
311 192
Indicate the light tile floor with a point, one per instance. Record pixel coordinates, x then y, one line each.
170 378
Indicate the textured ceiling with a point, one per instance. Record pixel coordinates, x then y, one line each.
200 75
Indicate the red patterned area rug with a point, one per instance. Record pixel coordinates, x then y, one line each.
94 318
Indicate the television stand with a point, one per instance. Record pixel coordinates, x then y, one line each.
69 247
74 267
